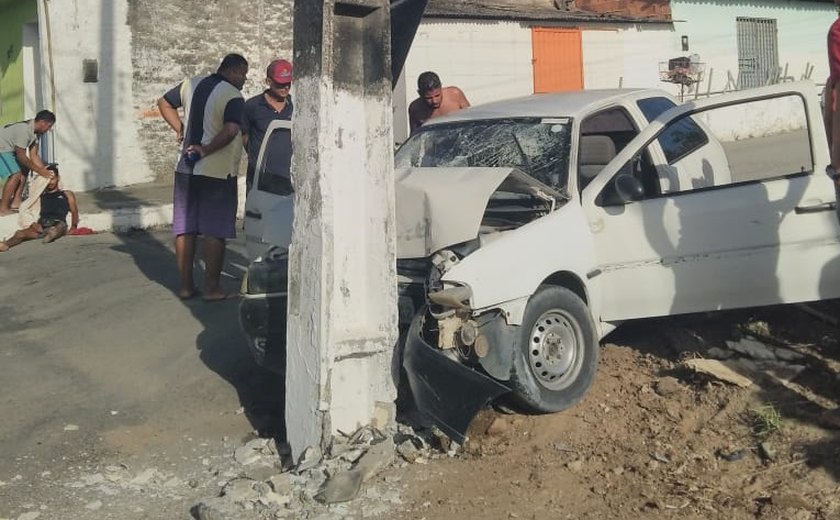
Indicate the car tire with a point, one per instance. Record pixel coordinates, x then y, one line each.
556 352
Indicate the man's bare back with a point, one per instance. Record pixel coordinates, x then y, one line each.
435 103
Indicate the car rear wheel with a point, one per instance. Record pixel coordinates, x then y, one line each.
556 354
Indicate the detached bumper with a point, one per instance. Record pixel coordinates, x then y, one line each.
263 320
449 392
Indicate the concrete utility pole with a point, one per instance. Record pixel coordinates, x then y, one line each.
342 323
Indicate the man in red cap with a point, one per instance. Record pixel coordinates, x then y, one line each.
274 103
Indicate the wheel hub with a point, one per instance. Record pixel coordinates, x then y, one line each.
553 349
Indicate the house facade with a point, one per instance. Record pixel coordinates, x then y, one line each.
527 47
101 65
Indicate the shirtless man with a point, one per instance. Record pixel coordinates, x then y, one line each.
52 224
434 100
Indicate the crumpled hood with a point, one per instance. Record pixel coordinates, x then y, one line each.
439 207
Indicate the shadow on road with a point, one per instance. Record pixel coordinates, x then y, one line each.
221 345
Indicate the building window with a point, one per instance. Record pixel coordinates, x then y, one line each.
758 52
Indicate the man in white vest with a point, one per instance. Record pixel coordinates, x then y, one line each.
205 197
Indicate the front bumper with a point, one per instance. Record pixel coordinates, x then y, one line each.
449 392
262 318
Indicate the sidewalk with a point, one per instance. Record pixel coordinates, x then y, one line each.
139 206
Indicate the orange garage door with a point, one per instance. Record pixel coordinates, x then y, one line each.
558 60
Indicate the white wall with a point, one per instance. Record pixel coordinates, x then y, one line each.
490 61
710 26
627 55
95 137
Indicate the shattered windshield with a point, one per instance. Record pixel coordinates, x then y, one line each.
538 147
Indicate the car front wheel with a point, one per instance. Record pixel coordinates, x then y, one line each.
557 352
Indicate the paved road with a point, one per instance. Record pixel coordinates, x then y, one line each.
91 335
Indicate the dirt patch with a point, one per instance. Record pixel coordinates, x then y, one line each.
654 438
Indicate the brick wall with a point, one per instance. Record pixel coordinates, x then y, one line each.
657 9
174 39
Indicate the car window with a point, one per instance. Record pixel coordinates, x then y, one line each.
537 146
602 136
680 139
274 173
756 140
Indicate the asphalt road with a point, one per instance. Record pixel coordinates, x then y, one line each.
99 359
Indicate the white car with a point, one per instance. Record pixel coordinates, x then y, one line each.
529 229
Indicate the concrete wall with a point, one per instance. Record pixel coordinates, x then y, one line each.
108 132
710 27
95 137
492 60
13 15
174 39
626 55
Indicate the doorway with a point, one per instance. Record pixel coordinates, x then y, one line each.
557 59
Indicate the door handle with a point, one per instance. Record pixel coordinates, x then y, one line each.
253 214
816 208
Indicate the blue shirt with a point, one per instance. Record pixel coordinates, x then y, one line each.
257 115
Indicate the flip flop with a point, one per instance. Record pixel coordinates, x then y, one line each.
220 297
186 295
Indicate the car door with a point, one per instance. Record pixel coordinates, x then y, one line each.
758 231
271 190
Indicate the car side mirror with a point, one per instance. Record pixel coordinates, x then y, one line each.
624 189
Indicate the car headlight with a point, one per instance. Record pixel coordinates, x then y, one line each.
268 274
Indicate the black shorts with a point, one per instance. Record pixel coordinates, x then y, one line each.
47 223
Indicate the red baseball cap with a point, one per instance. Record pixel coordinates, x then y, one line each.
279 71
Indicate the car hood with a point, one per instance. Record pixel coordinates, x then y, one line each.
439 207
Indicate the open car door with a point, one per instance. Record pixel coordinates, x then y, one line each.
763 232
272 190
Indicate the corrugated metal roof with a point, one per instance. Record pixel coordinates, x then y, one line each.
483 10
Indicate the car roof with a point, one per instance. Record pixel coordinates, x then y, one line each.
560 104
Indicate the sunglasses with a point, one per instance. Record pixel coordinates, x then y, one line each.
281 85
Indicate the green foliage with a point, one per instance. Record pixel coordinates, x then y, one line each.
766 420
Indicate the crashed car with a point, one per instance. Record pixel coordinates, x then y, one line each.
529 229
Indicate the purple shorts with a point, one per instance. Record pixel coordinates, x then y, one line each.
204 206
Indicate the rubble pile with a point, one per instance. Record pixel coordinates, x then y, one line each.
266 483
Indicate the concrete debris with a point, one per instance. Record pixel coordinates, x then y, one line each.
752 348
255 450
240 490
205 511
719 353
310 458
718 370
785 354
408 451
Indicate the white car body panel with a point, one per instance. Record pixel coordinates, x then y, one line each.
729 247
513 266
262 207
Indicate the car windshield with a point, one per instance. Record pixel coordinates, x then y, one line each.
538 147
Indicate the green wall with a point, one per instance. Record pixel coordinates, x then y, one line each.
13 14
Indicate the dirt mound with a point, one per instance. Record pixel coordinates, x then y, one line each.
654 437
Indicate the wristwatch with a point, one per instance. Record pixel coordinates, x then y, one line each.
831 172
